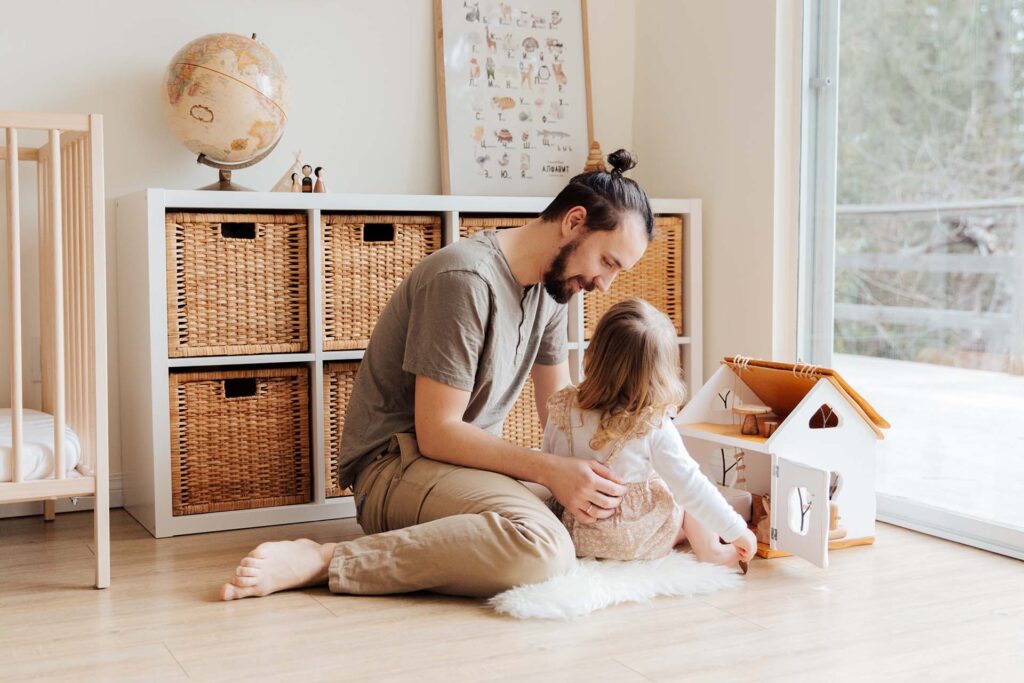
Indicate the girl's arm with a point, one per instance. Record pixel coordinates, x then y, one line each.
691 489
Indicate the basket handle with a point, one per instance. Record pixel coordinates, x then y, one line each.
238 231
378 232
240 387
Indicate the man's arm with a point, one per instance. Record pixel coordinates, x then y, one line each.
547 379
585 487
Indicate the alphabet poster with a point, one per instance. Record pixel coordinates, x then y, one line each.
512 95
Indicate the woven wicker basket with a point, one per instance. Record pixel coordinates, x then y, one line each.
239 439
365 258
470 225
657 278
339 379
522 426
236 283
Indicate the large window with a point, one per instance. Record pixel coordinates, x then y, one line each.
912 260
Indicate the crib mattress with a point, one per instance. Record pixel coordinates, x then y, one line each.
37 454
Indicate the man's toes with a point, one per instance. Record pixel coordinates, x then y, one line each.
261 550
243 581
231 592
245 570
251 562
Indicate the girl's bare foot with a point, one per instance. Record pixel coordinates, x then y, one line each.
279 566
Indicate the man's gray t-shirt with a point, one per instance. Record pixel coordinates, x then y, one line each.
462 319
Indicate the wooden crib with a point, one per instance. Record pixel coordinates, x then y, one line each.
73 311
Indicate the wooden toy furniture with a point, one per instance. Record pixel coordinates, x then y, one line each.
59 451
812 479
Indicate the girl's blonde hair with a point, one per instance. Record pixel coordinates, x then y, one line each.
632 370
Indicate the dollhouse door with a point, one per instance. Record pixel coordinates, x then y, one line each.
800 510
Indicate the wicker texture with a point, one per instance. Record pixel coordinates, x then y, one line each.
470 225
241 452
656 278
360 274
339 379
522 426
242 292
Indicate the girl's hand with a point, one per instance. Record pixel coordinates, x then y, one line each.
746 545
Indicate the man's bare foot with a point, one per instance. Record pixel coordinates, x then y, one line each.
279 566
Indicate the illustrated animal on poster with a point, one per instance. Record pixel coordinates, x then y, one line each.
482 163
555 47
530 45
478 135
526 74
502 104
560 77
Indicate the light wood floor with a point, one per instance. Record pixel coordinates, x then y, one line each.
911 607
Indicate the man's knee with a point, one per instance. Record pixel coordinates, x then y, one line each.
548 552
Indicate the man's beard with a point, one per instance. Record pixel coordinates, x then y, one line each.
555 282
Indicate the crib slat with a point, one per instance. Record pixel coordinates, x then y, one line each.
44 282
14 257
56 214
79 287
70 285
97 272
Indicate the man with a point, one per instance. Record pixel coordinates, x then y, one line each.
438 492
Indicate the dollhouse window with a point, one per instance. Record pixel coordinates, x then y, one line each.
824 418
800 502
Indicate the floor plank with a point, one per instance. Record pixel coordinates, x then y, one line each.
909 607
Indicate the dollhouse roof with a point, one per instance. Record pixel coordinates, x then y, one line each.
781 387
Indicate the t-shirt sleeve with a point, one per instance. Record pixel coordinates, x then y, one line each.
691 489
447 328
555 440
554 347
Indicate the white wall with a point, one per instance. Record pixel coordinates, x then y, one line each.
363 101
704 127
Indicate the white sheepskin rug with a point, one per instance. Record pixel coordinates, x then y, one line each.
596 584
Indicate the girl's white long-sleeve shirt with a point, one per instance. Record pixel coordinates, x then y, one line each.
659 452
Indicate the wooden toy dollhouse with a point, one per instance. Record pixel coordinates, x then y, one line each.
801 441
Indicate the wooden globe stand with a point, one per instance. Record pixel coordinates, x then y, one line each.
224 183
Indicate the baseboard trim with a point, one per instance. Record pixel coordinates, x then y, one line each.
64 504
960 528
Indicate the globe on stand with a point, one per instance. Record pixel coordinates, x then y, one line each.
225 97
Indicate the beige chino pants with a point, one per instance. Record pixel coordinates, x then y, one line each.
444 528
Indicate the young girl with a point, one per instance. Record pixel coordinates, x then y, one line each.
621 415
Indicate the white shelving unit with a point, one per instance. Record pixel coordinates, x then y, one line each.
144 361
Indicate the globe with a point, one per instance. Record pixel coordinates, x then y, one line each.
225 98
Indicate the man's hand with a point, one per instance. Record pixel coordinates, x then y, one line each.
586 488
